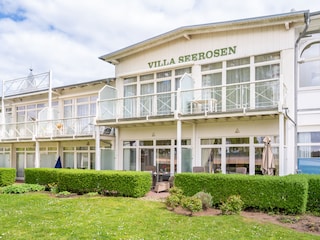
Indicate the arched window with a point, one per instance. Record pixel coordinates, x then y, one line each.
310 65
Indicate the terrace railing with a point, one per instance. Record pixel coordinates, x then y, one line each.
68 127
227 98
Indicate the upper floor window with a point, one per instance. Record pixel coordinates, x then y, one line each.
267 66
310 65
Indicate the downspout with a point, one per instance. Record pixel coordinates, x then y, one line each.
296 82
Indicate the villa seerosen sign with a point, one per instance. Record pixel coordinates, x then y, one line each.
194 57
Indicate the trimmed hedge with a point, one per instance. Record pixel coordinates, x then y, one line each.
7 176
42 176
266 193
120 183
313 203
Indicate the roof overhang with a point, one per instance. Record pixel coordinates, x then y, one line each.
186 32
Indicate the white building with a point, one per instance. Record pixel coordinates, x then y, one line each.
204 95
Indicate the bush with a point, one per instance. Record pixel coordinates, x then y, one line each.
172 201
7 176
176 191
192 204
206 199
21 188
266 193
232 206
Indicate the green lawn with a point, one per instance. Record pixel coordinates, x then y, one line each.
39 216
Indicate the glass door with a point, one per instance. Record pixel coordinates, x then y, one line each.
20 165
163 163
147 159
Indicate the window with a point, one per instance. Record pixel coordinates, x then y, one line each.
238 93
308 144
130 93
267 74
5 157
310 66
163 93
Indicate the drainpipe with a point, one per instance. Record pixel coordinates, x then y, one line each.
296 52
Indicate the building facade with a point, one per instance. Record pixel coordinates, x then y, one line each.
208 95
198 96
39 124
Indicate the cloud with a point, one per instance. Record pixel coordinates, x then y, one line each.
69 36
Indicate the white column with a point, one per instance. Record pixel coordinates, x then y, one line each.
223 156
3 115
37 157
281 145
179 149
98 151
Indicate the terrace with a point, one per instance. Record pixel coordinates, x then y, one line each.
231 98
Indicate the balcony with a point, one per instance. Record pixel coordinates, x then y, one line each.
257 96
57 128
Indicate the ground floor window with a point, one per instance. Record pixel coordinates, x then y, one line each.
24 159
237 155
81 157
5 157
156 155
48 157
309 152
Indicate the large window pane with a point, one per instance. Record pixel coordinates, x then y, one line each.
48 160
146 102
238 75
130 92
310 74
68 160
237 158
211 159
164 97
129 159
268 72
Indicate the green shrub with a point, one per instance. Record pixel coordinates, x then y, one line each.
232 206
7 176
52 187
265 193
175 191
21 188
172 201
115 183
41 176
192 204
206 199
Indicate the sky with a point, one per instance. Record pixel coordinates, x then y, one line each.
68 36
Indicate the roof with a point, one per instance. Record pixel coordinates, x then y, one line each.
83 84
188 31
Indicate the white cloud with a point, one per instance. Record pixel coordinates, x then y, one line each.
69 36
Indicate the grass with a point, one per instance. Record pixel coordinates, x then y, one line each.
40 216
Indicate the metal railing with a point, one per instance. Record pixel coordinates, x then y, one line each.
226 98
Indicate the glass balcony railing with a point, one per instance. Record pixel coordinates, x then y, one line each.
209 100
68 127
